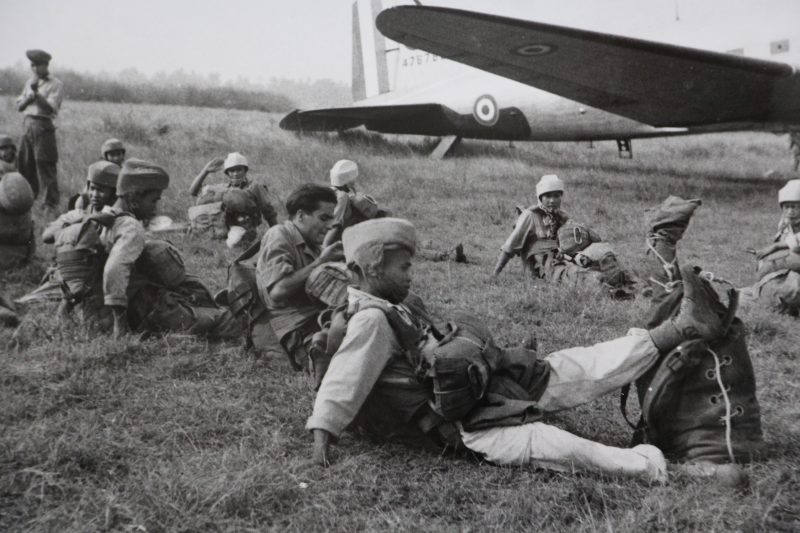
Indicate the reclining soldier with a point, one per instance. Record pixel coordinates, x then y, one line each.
393 373
143 283
231 210
554 249
289 253
778 286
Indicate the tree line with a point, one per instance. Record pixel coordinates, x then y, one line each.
177 89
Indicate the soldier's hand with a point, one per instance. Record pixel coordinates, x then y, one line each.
321 443
35 86
215 165
120 321
333 252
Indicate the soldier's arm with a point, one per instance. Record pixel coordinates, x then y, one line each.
295 281
197 183
266 208
26 98
353 372
128 245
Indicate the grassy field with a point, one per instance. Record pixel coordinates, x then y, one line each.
175 434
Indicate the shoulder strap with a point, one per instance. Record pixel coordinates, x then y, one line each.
250 252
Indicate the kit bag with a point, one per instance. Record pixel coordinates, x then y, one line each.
161 263
699 401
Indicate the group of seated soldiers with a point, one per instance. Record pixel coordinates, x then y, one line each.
330 289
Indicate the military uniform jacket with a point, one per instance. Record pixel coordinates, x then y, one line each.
124 243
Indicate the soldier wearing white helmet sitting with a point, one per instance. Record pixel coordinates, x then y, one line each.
353 207
779 263
233 216
553 248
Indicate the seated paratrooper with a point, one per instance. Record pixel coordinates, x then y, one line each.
17 242
394 374
8 154
231 210
107 263
289 253
553 248
112 151
778 268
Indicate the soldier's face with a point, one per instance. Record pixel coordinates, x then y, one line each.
101 196
40 69
791 210
116 156
7 153
392 279
315 225
551 200
237 176
146 205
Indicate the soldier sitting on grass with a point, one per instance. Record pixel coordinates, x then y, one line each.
353 207
107 264
8 154
553 249
231 210
395 375
778 287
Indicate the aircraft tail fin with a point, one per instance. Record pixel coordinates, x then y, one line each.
370 66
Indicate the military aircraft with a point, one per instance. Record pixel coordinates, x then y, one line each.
459 74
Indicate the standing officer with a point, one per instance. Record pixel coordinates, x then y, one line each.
39 102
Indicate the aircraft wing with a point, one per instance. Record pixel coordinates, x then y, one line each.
658 84
430 119
417 119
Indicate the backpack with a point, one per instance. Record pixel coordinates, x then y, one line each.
80 255
161 263
241 292
458 369
685 412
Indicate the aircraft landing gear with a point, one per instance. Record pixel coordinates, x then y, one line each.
445 146
625 148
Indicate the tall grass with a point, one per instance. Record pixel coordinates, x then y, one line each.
175 434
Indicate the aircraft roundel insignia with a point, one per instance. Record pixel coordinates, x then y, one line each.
533 50
485 110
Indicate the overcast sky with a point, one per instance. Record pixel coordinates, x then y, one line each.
258 39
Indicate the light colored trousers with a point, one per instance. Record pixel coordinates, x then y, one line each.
578 375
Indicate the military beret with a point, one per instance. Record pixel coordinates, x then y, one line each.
38 57
6 140
140 175
364 243
103 173
110 145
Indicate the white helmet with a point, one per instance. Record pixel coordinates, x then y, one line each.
790 192
235 159
343 172
549 183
